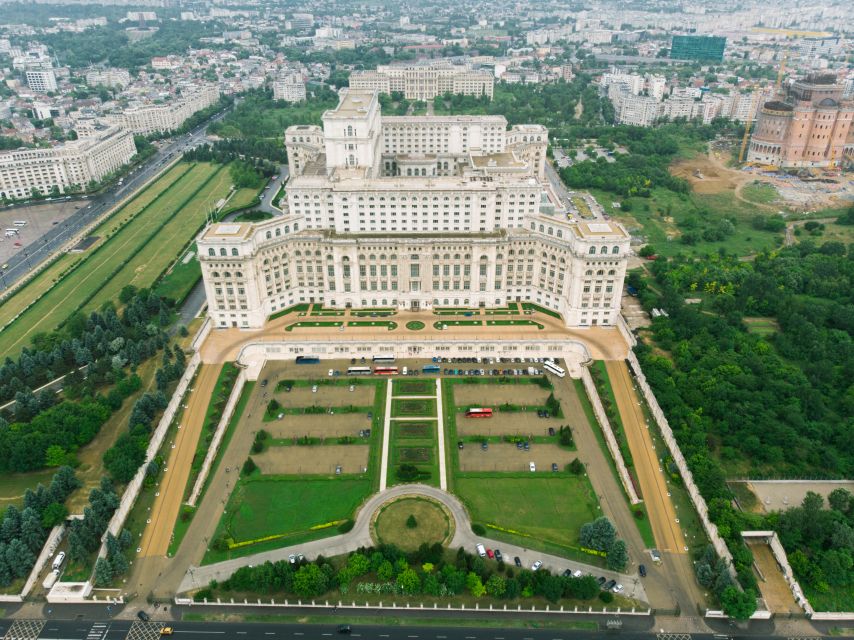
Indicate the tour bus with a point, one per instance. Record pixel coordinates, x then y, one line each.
12 232
359 371
383 358
385 371
430 368
551 367
20 223
475 412
308 360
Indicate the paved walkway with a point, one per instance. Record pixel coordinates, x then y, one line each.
360 536
386 436
603 343
443 471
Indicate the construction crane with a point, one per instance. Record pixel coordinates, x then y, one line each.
777 86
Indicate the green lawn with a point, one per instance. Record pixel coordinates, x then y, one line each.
415 325
137 244
531 510
530 306
313 324
414 442
181 279
404 387
457 323
388 324
760 192
507 323
413 408
263 506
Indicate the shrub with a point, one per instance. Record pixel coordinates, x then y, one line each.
478 529
411 522
576 467
346 526
606 596
249 466
203 594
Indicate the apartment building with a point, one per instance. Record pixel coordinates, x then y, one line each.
375 218
108 77
41 80
73 163
161 118
290 88
425 81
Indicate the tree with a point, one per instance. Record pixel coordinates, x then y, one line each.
103 572
409 582
496 586
739 605
54 514
618 557
55 456
411 522
576 467
598 535
474 585
249 467
310 581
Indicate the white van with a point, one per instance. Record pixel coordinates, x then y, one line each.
58 560
405 371
481 550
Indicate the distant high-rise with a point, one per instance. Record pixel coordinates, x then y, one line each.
698 48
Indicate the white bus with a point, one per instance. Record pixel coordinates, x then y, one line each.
359 371
20 223
11 232
383 358
551 367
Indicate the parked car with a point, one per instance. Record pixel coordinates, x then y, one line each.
498 555
490 554
532 466
142 615
484 445
264 382
292 558
517 561
601 580
642 570
314 388
481 550
536 566
551 431
567 573
609 585
554 467
617 588
460 444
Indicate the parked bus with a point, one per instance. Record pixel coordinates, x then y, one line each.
20 223
431 368
551 367
359 371
479 413
308 360
383 358
385 371
12 232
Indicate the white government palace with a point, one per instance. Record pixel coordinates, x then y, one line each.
414 213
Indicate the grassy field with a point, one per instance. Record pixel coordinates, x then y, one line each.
432 524
263 506
414 443
666 215
180 279
759 192
128 256
531 510
46 279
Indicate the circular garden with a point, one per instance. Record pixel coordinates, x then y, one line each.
411 521
415 325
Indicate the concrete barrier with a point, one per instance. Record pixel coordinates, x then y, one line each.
610 439
221 428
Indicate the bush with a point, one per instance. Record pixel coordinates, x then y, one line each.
639 514
478 529
606 596
646 251
576 467
249 467
346 526
203 594
411 522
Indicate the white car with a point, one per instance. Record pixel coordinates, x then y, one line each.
532 467
292 558
331 373
60 558
536 566
577 573
314 388
617 588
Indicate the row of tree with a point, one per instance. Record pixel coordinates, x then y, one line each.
23 532
387 569
84 535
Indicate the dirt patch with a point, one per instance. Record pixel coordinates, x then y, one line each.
708 176
319 425
489 395
506 457
327 396
520 423
297 460
772 584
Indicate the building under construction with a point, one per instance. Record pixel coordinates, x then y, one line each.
806 125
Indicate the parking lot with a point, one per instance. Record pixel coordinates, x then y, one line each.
319 425
39 218
489 395
506 457
327 396
299 460
517 423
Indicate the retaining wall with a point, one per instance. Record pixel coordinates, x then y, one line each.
221 428
611 441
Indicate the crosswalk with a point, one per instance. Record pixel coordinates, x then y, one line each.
98 631
24 630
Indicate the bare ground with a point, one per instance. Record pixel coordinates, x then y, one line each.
506 457
319 425
313 460
507 424
488 395
327 396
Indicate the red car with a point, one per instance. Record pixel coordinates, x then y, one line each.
490 554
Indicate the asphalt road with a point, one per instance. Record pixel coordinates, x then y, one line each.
91 209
